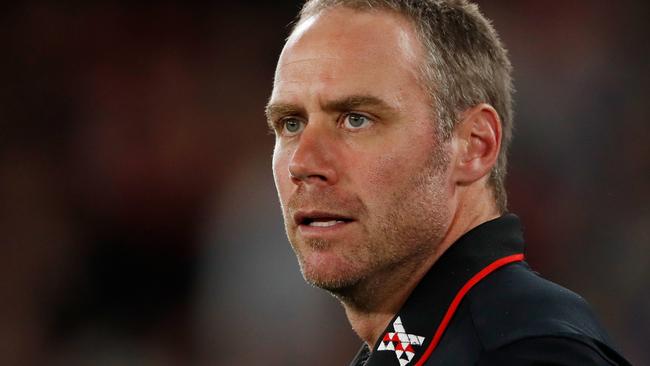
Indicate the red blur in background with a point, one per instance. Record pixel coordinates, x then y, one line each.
139 220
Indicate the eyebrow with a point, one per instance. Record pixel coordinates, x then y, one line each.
356 101
275 110
339 105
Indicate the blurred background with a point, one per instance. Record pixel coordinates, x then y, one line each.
138 215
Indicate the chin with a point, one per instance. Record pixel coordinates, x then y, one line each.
329 272
337 284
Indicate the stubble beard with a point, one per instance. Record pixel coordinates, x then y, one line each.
399 242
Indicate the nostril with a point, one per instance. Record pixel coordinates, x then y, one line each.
316 178
310 178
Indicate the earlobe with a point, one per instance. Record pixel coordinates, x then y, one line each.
478 142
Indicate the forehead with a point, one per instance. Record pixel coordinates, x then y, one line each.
360 29
349 48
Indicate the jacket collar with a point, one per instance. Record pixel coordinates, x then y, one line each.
412 334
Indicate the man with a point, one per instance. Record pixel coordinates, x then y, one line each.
392 121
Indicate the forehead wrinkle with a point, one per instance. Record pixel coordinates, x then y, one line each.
291 71
308 59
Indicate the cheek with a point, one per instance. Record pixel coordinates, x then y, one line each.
391 167
380 180
383 172
390 176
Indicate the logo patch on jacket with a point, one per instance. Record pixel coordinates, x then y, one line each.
400 342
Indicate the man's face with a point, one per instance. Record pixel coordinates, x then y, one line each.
361 177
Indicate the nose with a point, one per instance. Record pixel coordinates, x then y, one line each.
313 161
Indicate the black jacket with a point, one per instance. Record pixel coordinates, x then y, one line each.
481 304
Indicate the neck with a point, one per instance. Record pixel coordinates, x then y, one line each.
373 303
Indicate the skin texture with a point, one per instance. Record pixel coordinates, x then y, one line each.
356 141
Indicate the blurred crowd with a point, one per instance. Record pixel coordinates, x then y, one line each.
138 216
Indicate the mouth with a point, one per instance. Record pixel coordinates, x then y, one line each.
317 219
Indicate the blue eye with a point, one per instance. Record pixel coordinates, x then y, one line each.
292 126
354 120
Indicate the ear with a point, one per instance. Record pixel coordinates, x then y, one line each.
477 142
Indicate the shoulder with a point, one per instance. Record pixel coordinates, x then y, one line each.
514 309
551 350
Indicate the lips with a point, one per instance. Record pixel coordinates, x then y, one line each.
320 219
